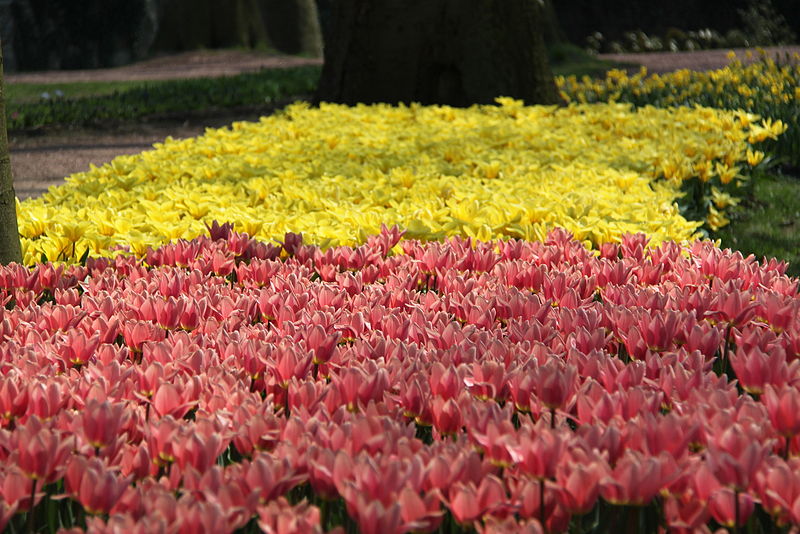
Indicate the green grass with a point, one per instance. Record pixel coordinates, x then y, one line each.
166 99
567 59
25 93
767 224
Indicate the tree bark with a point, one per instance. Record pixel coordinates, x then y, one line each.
288 26
551 28
294 27
10 250
455 52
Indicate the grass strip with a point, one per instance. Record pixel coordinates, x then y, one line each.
261 89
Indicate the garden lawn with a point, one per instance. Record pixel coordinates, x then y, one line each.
111 103
768 223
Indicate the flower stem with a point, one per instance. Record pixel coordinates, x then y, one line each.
541 505
32 509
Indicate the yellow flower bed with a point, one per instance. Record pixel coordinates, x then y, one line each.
764 88
759 86
337 173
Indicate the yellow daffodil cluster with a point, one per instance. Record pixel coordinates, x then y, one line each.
336 173
766 87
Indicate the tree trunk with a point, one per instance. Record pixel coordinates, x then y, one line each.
455 52
287 26
551 28
10 249
294 27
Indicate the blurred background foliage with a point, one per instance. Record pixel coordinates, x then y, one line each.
64 34
624 26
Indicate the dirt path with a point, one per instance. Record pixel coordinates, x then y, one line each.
38 162
661 62
41 161
199 64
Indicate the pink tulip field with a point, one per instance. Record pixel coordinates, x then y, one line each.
229 385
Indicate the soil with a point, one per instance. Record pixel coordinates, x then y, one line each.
42 159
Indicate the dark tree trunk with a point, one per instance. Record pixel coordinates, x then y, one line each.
551 28
287 26
9 234
294 27
456 52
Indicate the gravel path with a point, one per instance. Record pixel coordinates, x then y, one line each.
198 64
39 162
661 62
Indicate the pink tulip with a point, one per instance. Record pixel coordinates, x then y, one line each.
412 399
7 511
15 488
539 455
555 384
783 407
468 502
446 415
445 382
637 479
13 398
39 451
734 458
420 513
685 513
357 388
46 399
161 435
508 525
199 449
488 381
731 509
99 423
670 433
756 369
527 496
192 515
777 485
170 400
94 485
136 333
256 431
48 276
374 517
579 482
270 477
734 308
279 517
521 385
288 362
